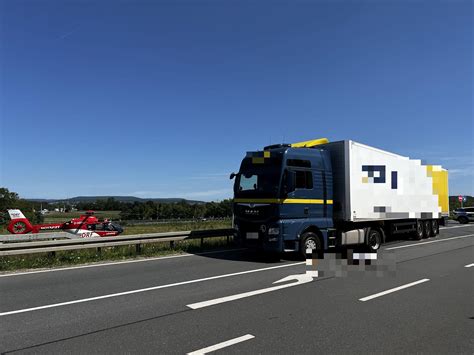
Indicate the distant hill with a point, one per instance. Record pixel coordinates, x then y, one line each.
78 199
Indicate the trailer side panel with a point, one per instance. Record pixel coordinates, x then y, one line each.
384 185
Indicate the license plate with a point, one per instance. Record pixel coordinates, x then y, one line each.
252 235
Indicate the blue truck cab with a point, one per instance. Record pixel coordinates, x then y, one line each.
283 199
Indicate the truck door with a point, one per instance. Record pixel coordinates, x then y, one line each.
305 196
296 204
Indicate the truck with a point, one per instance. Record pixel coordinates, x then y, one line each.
325 195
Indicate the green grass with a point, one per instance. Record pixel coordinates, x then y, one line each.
75 257
173 227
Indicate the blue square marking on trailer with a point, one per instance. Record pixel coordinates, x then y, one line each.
371 169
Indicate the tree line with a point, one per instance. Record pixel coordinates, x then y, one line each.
152 210
149 210
454 202
11 200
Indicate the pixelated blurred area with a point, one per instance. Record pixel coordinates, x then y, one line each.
258 157
400 188
346 261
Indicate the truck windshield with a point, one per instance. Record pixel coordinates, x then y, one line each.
255 180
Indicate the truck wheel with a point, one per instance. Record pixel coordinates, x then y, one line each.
309 240
374 240
426 228
463 220
418 234
434 228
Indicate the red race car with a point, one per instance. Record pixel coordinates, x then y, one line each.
86 226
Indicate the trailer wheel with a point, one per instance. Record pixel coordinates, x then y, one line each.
309 240
374 240
434 228
426 228
418 234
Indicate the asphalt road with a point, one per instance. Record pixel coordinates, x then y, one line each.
228 301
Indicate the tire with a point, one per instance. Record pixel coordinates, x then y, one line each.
463 220
418 234
426 228
434 228
374 240
310 240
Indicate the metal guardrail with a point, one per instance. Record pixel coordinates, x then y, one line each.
49 246
34 236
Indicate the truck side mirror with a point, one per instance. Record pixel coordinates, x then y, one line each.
232 175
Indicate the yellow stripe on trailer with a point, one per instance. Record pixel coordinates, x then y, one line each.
439 178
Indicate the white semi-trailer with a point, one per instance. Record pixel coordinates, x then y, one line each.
316 194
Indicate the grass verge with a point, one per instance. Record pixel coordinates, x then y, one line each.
84 256
176 226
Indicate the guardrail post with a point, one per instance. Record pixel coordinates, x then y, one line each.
172 244
138 248
202 242
99 251
52 254
228 239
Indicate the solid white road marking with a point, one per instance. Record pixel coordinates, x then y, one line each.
433 241
117 263
147 289
464 226
470 265
301 279
224 344
393 290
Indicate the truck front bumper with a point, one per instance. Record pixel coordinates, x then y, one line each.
267 238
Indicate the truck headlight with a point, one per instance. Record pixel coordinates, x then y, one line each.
273 231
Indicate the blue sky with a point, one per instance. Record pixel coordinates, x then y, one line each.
163 98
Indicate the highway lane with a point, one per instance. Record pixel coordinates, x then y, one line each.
78 283
82 283
159 320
